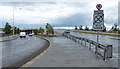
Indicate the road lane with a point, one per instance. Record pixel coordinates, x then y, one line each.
18 49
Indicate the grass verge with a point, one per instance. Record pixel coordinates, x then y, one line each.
48 35
117 35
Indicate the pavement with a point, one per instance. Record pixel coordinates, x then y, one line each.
64 52
8 38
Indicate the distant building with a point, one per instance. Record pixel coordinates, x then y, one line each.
28 31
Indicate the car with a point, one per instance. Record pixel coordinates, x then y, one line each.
31 34
67 31
22 34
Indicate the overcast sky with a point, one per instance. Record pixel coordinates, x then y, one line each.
58 14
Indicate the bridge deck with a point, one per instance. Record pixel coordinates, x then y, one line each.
64 52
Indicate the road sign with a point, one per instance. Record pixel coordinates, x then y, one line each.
98 6
98 23
98 20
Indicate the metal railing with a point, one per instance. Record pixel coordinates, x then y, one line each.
105 51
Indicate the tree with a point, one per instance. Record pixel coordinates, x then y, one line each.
76 27
41 30
118 31
35 31
114 28
7 28
104 30
17 30
49 29
52 31
80 28
86 28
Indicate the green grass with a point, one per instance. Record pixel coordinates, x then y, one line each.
48 35
117 35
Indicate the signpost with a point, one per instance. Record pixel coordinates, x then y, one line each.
98 23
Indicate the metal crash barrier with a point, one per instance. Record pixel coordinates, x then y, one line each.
105 51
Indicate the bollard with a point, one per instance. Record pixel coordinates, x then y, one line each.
105 56
109 51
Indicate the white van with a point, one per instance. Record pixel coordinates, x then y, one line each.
22 35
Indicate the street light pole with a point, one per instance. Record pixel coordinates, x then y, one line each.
13 22
97 44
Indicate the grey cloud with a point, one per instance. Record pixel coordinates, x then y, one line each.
15 3
24 3
76 19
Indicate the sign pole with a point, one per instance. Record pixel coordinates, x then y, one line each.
97 44
98 24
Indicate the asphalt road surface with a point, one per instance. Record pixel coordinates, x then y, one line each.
16 50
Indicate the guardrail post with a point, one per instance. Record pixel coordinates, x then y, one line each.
90 47
85 42
67 36
81 41
105 56
76 39
72 37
